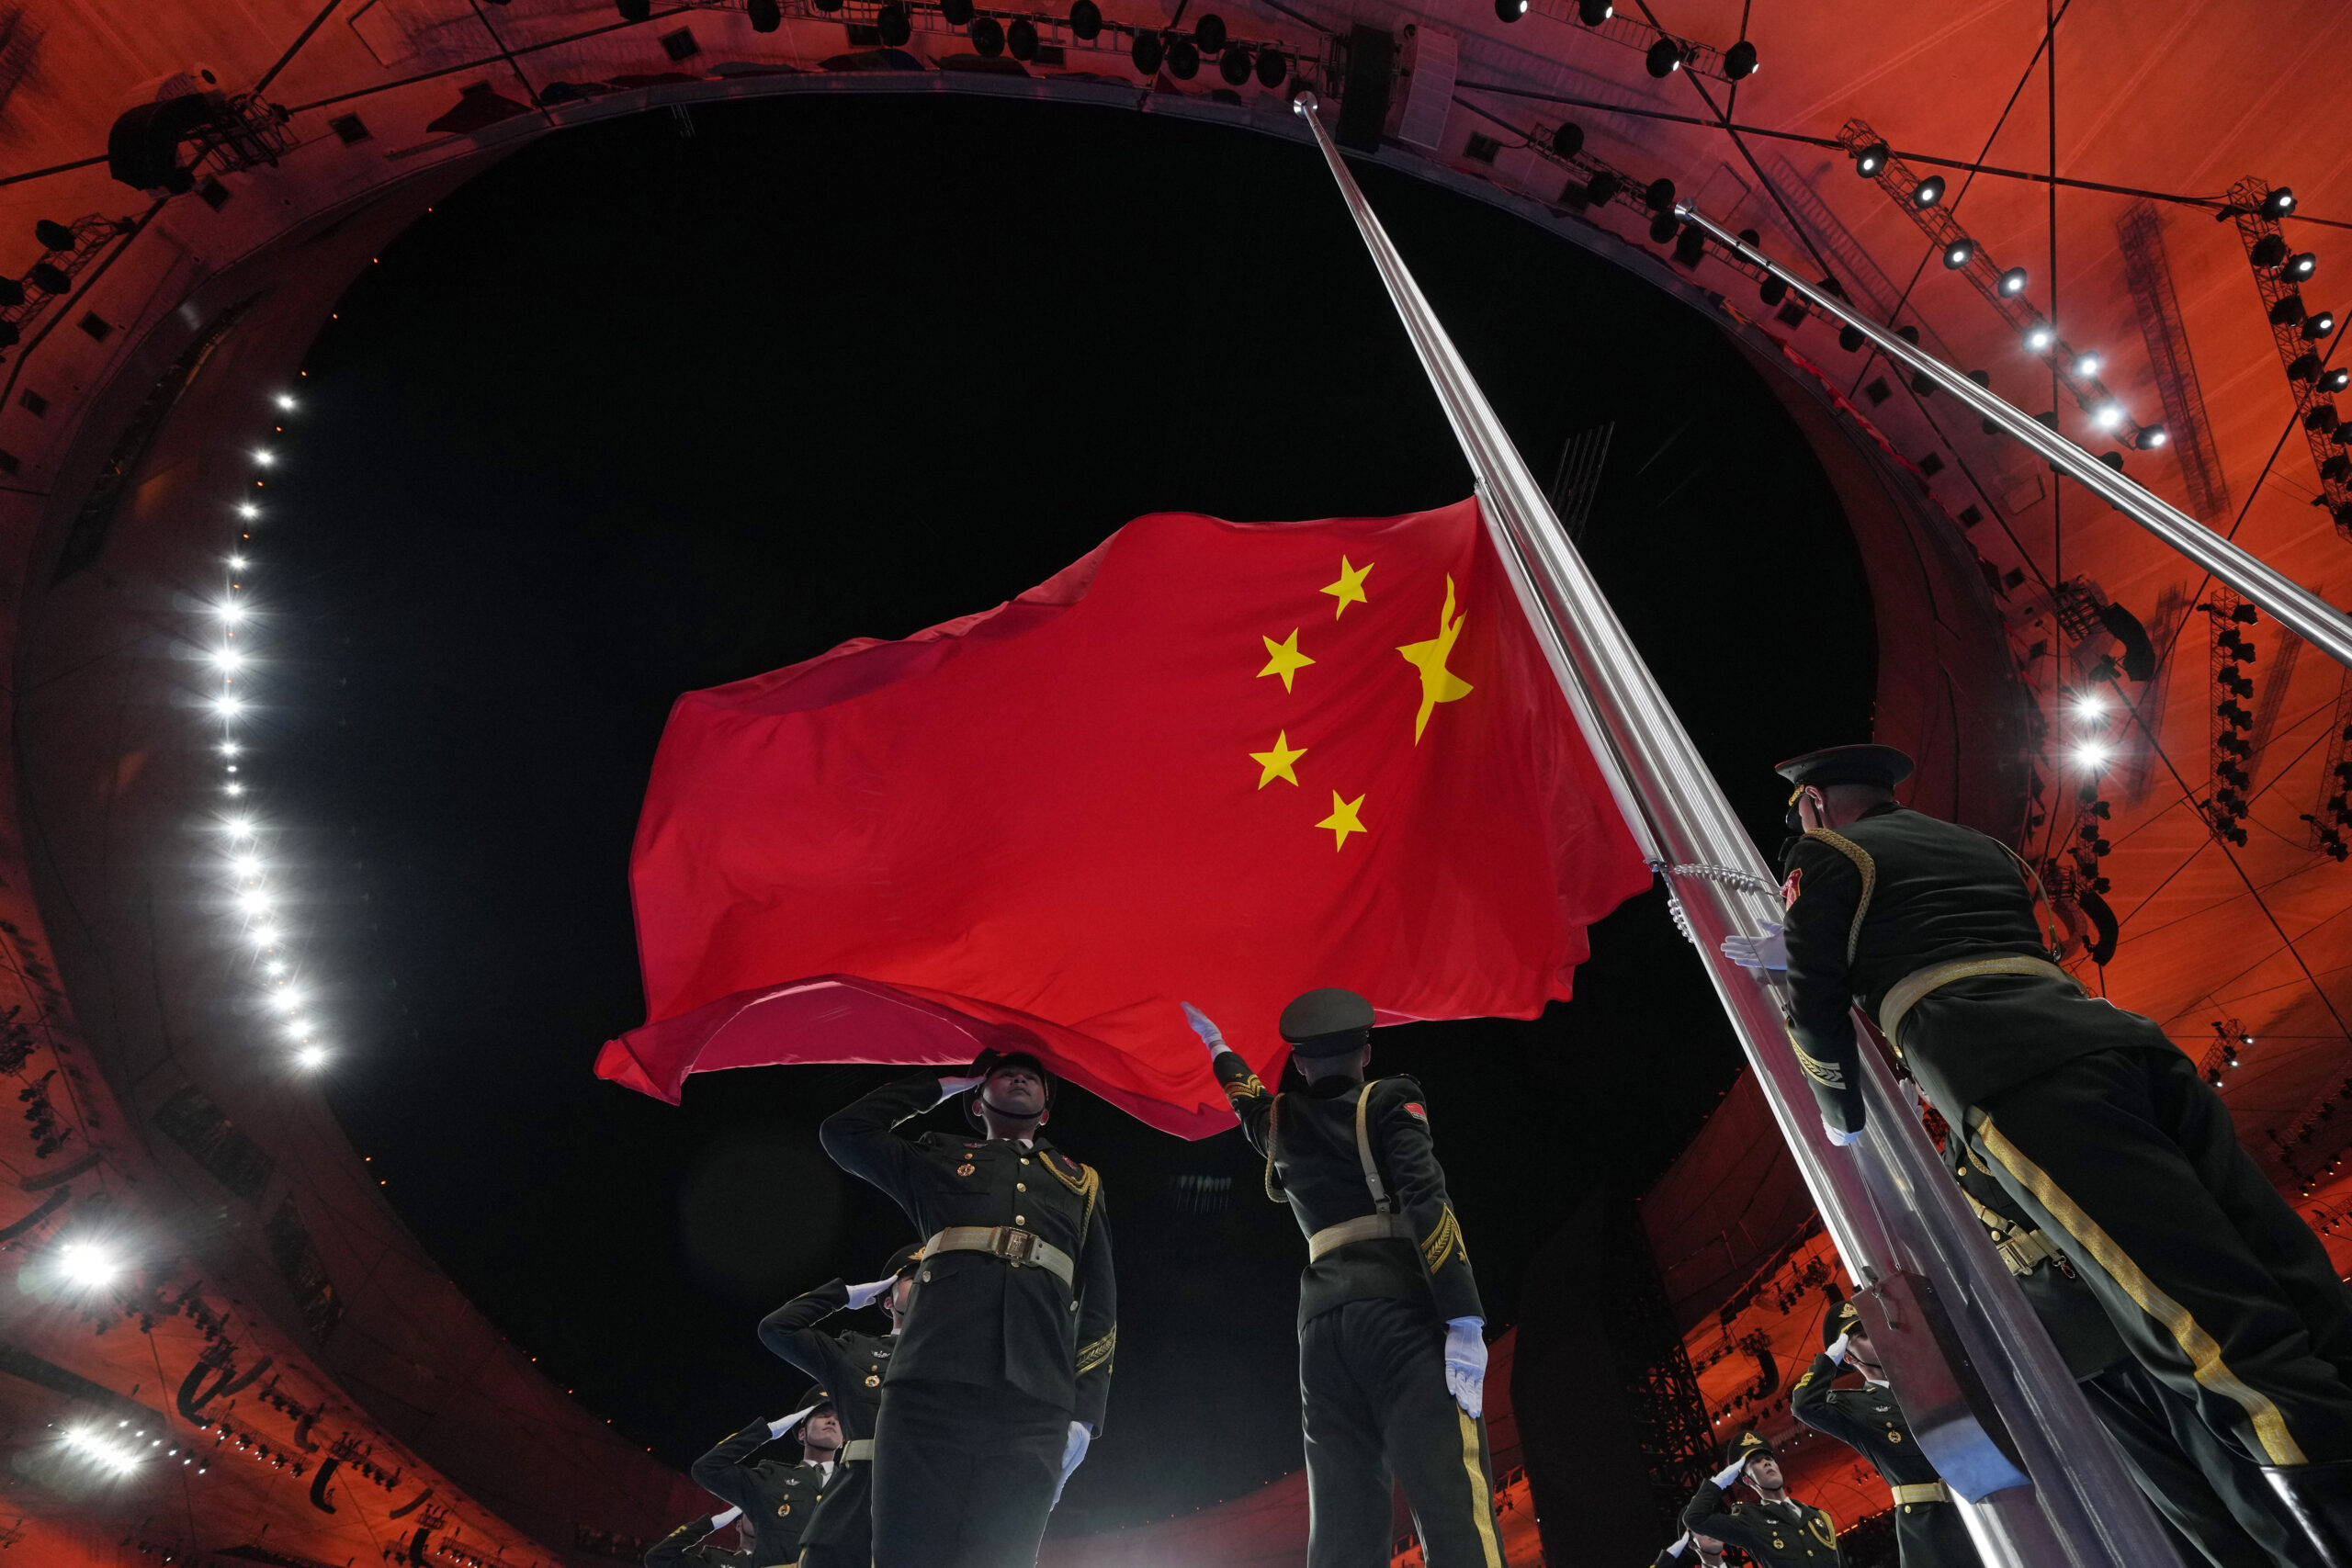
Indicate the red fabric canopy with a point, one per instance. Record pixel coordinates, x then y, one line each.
1219 761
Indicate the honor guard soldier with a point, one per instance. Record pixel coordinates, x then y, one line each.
1003 1361
840 1533
777 1499
689 1546
1775 1529
1929 1531
1391 1358
2089 1118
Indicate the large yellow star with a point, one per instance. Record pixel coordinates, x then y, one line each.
1276 763
1283 659
1349 590
1346 817
1438 684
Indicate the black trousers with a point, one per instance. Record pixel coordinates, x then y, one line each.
2204 1488
2217 1287
964 1475
1930 1535
1374 1406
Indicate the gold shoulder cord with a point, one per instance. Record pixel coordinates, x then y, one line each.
1868 867
1087 1184
2055 941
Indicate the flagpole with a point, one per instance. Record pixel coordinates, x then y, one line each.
2254 580
1894 1213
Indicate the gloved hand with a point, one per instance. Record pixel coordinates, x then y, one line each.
972 1076
1837 1351
866 1296
1770 950
720 1521
1838 1137
949 1087
1679 1543
1465 1363
1073 1453
778 1428
1729 1473
1211 1036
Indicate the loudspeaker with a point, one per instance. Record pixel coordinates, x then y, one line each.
1364 91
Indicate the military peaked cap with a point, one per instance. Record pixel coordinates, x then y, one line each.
1327 1021
1747 1446
1882 765
997 1061
1843 1318
903 1261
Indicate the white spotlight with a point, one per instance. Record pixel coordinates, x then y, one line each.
286 401
230 611
286 1001
310 1057
234 789
236 563
298 1027
238 827
2089 704
2039 337
266 936
229 706
88 1264
248 510
2090 754
229 659
91 1446
2087 363
2107 416
252 901
246 865
264 457
275 966
229 747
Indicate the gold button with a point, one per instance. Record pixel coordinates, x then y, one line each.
1024 1159
1021 1186
1020 1219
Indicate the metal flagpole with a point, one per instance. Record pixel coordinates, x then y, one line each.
1979 1378
2295 607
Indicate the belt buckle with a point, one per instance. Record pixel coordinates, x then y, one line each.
1015 1247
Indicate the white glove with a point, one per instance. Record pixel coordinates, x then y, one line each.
1837 1351
866 1296
1679 1543
1073 1453
1843 1140
1211 1036
720 1521
950 1087
778 1428
1465 1363
1729 1473
1770 950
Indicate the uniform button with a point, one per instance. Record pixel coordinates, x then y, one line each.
927 1276
1021 1186
1020 1219
1024 1159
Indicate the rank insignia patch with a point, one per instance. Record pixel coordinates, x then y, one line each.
1789 889
1414 1108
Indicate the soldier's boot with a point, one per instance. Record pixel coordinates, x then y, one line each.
2320 1498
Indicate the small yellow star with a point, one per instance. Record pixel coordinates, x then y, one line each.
1276 763
1346 817
1349 590
1283 659
1438 684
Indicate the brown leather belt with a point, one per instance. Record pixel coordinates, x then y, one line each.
858 1450
1915 988
1923 1492
1371 1227
1018 1247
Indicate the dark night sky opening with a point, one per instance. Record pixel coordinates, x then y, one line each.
639 411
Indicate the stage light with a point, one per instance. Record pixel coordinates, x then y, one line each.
286 401
2278 203
233 789
2335 380
275 966
1664 228
2151 437
2107 416
2299 265
1658 197
1850 338
2286 310
1665 58
1509 10
987 36
1020 39
2089 704
1567 139
245 865
766 16
229 747
1274 66
958 13
247 510
1209 34
1183 59
228 659
230 611
2087 363
254 901
2268 251
1602 188
310 1057
2322 418
1959 254
298 1027
894 25
265 456
266 936
53 235
286 1001
111 1455
236 563
2319 324
2090 754
2040 336
1773 291
2013 281
1148 52
238 827
1927 192
1690 245
1235 64
2302 367
1869 160
229 706
1592 13
1739 61
1085 21
88 1264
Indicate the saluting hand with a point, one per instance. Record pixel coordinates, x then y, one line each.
1211 1036
1729 1473
866 1296
1466 1364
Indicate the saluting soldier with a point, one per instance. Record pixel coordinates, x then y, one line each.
776 1499
1929 1531
840 1533
1773 1528
2089 1118
1003 1361
1392 1359
689 1545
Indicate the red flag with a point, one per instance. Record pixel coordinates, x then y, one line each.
1214 761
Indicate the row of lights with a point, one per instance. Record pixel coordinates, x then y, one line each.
255 899
1663 57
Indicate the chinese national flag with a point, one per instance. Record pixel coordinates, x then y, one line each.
1217 761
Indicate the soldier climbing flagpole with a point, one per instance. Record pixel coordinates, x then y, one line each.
1977 1372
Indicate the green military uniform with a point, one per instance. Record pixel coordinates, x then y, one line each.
2211 1495
1777 1533
776 1499
1929 1531
1007 1340
840 1534
1387 1270
686 1547
2087 1115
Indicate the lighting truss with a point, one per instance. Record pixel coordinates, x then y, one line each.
2247 197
